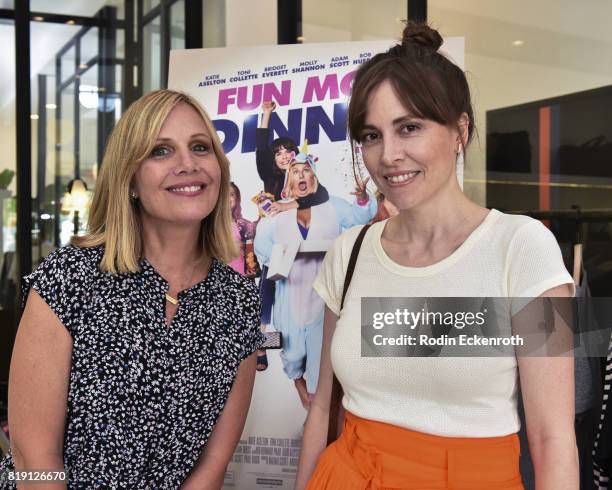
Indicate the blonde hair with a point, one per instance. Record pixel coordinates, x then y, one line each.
114 220
287 188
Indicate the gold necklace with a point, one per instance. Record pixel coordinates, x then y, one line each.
172 299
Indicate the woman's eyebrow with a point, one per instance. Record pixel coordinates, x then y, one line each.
368 126
196 135
401 119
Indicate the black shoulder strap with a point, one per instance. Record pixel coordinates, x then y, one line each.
335 418
352 261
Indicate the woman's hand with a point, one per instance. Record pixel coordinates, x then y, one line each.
267 106
361 191
209 471
279 207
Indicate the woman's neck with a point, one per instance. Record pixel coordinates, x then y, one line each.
448 216
172 249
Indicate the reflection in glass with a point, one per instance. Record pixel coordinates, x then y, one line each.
89 47
177 25
148 5
90 102
151 56
68 63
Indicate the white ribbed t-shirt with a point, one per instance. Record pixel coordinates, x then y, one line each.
506 256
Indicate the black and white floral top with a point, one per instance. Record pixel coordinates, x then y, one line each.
143 397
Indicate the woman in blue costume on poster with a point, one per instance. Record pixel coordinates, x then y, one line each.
298 310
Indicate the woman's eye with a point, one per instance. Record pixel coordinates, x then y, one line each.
160 151
409 128
200 148
368 137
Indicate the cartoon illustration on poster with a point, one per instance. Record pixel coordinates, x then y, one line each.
281 114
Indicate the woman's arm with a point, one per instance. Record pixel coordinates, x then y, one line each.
209 471
267 106
38 391
317 422
264 158
355 213
547 385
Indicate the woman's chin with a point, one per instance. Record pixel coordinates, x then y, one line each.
185 220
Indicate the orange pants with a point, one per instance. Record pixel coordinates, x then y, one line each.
375 456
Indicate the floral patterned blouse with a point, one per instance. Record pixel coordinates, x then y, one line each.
143 396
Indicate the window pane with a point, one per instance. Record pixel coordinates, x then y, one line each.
89 46
8 215
81 9
152 56
148 5
66 158
177 25
89 101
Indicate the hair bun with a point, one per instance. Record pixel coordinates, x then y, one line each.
421 35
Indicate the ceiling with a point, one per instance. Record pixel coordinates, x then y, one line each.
561 33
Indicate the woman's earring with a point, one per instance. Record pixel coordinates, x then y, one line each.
133 196
459 167
460 158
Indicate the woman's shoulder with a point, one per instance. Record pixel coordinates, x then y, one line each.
230 280
343 245
532 257
236 295
63 279
71 257
518 227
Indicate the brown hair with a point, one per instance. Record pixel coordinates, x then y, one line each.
114 219
427 83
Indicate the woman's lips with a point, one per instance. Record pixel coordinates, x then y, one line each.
187 190
399 179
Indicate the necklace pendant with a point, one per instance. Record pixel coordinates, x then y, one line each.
171 299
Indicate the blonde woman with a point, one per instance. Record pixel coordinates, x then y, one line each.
133 365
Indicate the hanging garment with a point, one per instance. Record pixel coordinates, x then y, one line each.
602 452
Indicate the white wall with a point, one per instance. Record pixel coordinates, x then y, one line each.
250 22
351 20
213 26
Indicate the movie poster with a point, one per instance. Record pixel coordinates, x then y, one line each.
280 112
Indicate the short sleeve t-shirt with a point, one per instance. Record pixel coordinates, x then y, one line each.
143 397
505 256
